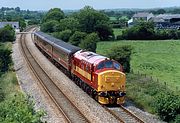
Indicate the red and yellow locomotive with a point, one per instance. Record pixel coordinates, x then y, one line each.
99 76
103 77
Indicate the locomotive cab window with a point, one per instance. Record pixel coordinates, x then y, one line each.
108 64
116 66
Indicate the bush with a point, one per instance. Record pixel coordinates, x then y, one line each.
7 34
63 35
76 38
2 95
19 110
90 42
141 31
167 106
177 119
5 59
122 54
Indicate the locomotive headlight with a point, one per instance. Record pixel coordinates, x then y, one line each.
103 94
121 94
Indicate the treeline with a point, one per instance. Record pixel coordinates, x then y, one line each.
146 31
85 26
22 16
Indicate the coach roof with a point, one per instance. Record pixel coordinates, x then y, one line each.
58 43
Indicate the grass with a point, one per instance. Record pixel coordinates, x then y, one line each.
159 59
117 31
8 80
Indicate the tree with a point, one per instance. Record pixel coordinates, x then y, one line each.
90 42
67 23
122 54
76 38
7 34
54 14
63 35
91 20
49 26
105 32
17 9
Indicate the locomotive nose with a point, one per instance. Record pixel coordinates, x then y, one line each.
111 80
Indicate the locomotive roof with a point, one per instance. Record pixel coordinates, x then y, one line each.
66 47
90 57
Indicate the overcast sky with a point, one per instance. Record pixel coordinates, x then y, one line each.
78 4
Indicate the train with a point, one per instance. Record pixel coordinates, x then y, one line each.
101 77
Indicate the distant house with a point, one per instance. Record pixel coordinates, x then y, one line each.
167 21
14 25
141 16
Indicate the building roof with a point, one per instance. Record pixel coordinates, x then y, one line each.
158 19
142 14
13 24
168 16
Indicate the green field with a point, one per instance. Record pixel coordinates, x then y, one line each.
117 31
159 59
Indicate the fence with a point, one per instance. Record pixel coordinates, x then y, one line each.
149 78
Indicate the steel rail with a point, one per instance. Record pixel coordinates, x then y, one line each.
25 50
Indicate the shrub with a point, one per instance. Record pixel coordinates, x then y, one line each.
18 109
177 119
7 34
141 31
2 95
167 106
5 59
122 54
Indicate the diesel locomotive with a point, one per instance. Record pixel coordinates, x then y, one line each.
101 77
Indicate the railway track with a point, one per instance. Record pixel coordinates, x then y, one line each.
69 111
124 115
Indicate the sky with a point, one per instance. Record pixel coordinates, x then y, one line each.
96 4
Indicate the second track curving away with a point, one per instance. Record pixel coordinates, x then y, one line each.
70 112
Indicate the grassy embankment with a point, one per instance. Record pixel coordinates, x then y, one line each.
159 59
14 106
